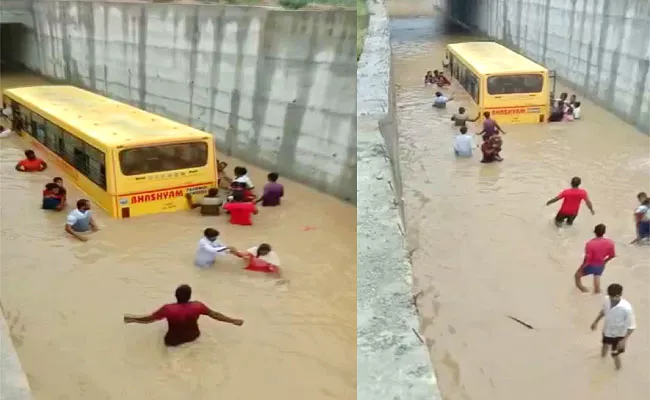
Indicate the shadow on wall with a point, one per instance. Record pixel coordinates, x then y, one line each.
276 88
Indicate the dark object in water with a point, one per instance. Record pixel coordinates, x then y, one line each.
521 322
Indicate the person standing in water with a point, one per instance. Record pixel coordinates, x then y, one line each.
209 249
461 119
62 192
490 127
571 200
463 143
441 101
80 221
620 323
182 317
210 204
273 191
598 252
31 163
642 218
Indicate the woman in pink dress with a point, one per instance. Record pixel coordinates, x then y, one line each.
261 259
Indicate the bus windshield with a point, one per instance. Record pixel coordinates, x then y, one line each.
162 158
515 84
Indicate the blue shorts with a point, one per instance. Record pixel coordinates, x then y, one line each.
596 270
644 229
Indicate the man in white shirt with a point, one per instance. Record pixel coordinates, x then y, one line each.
463 143
620 323
4 132
209 248
241 176
80 221
441 101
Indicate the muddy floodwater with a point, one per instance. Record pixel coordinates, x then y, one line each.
64 300
485 248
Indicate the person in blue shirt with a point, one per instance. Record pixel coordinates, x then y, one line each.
80 221
52 198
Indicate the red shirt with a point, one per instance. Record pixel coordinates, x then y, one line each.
598 250
31 165
240 213
572 199
182 321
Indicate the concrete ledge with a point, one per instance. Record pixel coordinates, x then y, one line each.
13 381
392 361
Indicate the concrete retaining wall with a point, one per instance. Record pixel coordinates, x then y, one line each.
601 47
392 361
276 88
13 382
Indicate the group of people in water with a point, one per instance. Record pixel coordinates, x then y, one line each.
240 202
618 314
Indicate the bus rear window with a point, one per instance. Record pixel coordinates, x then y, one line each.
170 157
515 84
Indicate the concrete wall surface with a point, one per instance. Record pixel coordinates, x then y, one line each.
13 382
16 12
392 361
601 47
276 88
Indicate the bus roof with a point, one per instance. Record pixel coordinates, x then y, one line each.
492 58
101 119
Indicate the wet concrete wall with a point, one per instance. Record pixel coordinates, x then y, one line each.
13 381
276 88
392 361
600 47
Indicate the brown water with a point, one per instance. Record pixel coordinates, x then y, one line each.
64 300
484 245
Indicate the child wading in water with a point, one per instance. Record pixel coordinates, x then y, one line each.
642 218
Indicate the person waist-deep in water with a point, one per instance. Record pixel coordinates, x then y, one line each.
240 209
571 198
209 248
461 118
31 163
52 198
182 317
210 204
273 192
440 101
490 126
463 143
491 149
260 258
642 218
80 221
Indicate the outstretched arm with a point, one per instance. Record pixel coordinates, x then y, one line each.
143 319
553 200
223 318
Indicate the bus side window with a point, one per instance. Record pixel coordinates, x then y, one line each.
27 119
96 160
54 138
39 128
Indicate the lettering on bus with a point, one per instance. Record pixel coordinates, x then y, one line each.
149 197
508 111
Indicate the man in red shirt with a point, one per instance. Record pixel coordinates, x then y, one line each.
31 163
182 317
240 210
598 252
571 200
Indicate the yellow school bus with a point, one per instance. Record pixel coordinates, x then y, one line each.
511 87
129 162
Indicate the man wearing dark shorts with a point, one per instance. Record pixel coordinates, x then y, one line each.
598 252
182 317
571 200
620 323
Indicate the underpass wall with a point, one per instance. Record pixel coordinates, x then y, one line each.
276 88
392 360
600 47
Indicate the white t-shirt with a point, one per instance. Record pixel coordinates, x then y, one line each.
463 145
5 133
618 319
79 221
245 179
207 252
8 112
440 101
645 210
576 113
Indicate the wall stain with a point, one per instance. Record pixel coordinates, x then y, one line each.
217 37
192 35
142 57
